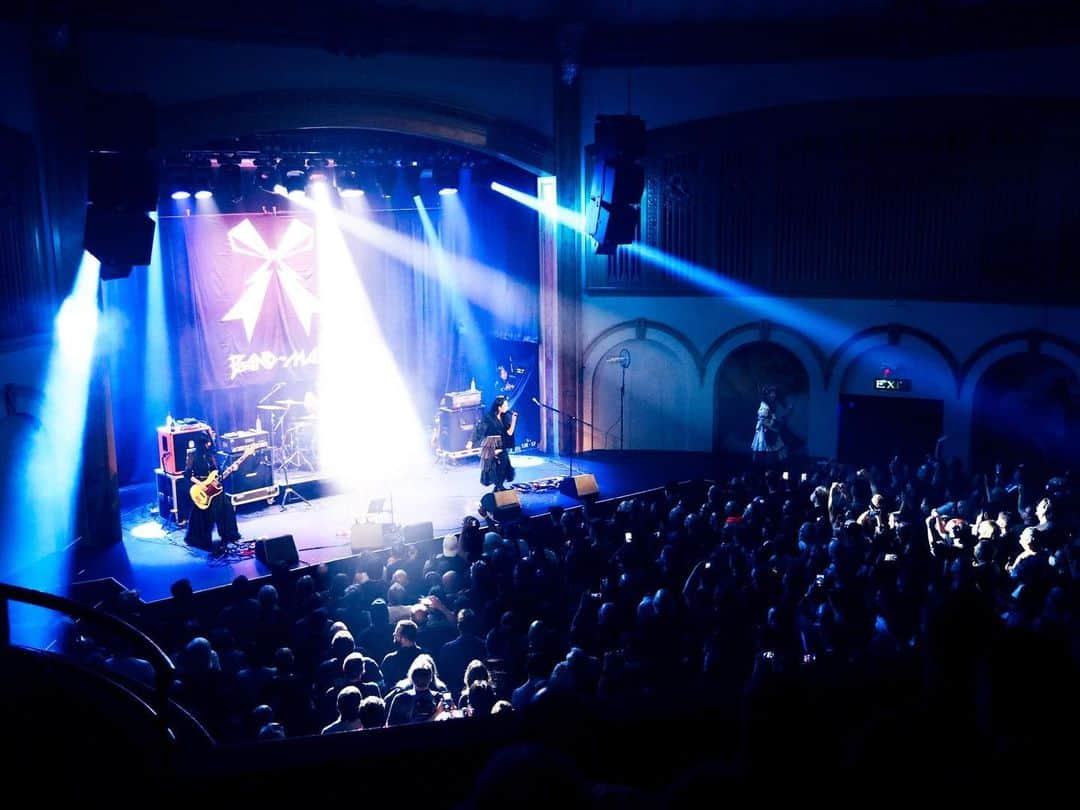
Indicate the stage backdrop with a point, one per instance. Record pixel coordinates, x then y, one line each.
256 301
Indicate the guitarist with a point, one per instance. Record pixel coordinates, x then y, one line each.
200 463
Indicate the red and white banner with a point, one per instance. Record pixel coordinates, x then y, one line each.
256 298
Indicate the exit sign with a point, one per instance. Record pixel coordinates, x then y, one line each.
892 384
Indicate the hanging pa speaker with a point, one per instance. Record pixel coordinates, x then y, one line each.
581 487
618 181
276 551
122 181
119 240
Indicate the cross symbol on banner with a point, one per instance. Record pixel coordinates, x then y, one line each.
245 240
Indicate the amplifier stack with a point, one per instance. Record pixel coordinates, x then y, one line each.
455 429
239 440
253 480
174 441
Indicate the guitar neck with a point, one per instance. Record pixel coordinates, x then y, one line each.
235 465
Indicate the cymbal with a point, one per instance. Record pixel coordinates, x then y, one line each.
305 419
270 407
288 402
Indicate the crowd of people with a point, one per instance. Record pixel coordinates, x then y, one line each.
886 602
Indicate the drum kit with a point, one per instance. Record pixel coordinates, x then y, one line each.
293 432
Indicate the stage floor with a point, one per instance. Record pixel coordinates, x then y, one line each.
153 555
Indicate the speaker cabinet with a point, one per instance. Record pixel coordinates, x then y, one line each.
276 551
173 444
367 537
503 505
581 487
174 497
254 473
122 181
119 240
418 532
618 181
456 426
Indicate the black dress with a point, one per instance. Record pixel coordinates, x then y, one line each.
201 463
490 434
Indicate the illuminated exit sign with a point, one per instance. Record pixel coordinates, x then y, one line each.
892 384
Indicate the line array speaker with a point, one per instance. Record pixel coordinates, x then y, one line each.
618 181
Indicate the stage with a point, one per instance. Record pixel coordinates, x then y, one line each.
153 554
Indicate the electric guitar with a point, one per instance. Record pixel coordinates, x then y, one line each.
203 492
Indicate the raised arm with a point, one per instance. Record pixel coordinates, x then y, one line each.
693 583
933 536
834 488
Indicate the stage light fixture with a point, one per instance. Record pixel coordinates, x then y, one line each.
295 181
266 173
201 180
348 182
410 176
229 181
318 170
203 194
177 181
446 180
368 184
386 177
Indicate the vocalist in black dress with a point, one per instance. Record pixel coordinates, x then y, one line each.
495 434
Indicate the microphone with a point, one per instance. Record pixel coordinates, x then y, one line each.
537 402
612 359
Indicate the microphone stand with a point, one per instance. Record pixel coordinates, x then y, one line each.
572 419
622 401
277 387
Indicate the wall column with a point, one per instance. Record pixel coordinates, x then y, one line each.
566 337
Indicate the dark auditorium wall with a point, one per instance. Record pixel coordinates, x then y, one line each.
863 205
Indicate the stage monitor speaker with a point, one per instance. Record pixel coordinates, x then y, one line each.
418 532
581 486
503 505
367 537
276 551
614 208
